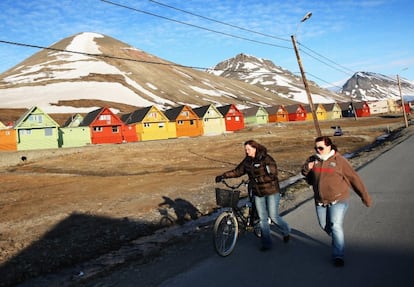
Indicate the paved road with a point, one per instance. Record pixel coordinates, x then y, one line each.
379 240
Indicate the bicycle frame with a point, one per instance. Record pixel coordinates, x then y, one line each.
226 226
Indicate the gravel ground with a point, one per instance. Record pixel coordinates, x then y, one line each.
144 257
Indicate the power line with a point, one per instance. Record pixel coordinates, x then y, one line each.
128 59
219 22
329 65
320 55
333 64
194 26
342 69
99 55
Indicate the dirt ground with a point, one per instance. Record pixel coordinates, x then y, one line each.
62 207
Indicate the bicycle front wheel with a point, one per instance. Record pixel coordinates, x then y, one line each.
226 230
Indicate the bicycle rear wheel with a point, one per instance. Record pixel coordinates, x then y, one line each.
226 230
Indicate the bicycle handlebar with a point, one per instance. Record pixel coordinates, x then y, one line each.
236 186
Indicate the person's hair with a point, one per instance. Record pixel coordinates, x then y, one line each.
328 142
260 149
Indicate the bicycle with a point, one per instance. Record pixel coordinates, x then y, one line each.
234 218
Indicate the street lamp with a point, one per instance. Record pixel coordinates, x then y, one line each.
305 82
402 99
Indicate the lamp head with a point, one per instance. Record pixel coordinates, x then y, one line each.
306 17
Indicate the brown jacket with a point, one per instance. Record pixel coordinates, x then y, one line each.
331 180
262 172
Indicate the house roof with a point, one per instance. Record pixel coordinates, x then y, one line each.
71 120
273 109
29 112
329 106
136 116
173 113
359 105
90 117
345 106
224 109
201 111
307 108
252 111
293 108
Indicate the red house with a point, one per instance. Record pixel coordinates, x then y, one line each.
106 127
233 118
296 112
362 109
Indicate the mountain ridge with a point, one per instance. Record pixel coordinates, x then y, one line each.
55 75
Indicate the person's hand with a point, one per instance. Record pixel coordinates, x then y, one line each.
310 165
367 201
219 178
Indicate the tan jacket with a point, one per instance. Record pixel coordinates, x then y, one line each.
331 180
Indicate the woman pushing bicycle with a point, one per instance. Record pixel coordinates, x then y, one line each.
262 171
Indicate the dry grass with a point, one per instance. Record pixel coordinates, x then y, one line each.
74 196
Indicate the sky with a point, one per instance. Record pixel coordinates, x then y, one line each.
339 39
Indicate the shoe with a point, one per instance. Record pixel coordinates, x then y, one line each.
339 262
286 238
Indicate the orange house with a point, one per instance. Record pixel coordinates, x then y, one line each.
187 123
277 114
8 140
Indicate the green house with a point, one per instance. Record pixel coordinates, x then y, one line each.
36 130
255 115
74 135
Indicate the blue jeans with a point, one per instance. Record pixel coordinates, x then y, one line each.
331 220
268 207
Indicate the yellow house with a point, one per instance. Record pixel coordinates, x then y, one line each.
150 123
320 112
333 111
213 121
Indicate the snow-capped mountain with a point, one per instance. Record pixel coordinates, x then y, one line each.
89 70
373 86
266 75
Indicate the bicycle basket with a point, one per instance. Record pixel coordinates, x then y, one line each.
227 197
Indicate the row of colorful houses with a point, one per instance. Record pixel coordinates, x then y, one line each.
37 130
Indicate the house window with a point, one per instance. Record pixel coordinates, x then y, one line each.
105 117
48 132
97 129
185 114
153 115
25 132
206 120
147 125
191 122
180 122
161 125
115 129
36 118
237 119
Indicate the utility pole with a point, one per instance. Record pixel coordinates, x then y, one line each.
307 89
402 102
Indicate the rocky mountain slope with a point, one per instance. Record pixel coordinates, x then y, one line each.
266 75
87 70
370 86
